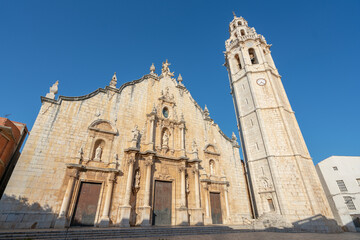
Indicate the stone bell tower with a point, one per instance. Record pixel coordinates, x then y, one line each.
281 174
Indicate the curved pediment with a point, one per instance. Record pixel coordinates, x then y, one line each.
102 125
211 149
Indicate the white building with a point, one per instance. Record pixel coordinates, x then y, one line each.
340 177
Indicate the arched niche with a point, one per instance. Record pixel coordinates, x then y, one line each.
212 167
165 138
101 133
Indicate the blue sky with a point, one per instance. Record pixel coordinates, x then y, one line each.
82 43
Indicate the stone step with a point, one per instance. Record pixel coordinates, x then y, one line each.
98 233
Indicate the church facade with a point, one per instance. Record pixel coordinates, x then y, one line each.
147 154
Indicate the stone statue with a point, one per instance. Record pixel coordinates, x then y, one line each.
195 149
53 90
212 167
136 133
165 139
165 69
187 184
98 152
137 180
80 152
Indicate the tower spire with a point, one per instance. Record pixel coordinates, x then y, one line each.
234 14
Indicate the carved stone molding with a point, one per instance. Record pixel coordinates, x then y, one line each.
131 161
149 162
181 169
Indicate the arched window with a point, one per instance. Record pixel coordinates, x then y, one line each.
242 32
238 61
234 26
239 23
212 167
252 56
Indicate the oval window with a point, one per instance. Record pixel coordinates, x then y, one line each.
165 112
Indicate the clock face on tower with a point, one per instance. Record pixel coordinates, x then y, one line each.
261 81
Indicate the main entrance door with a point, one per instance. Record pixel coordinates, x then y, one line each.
162 203
86 205
215 208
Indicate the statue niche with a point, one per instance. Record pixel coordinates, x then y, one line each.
100 141
98 149
165 136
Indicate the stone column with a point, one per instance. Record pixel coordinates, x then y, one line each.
152 129
129 182
182 139
181 212
227 203
182 189
104 222
145 211
196 213
125 209
61 221
148 164
207 219
197 189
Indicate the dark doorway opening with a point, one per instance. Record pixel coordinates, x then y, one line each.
86 204
215 208
162 203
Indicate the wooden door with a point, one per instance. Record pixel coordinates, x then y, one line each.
162 203
215 208
86 204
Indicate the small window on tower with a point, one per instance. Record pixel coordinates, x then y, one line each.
335 168
252 56
239 23
235 35
242 32
238 61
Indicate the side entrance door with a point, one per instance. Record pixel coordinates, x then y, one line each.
162 203
86 204
215 208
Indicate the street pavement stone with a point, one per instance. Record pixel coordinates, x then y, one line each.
262 236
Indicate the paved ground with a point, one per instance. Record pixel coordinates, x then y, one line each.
263 236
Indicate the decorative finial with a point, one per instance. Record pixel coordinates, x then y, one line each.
53 90
206 112
234 14
233 137
113 81
180 79
233 140
152 69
